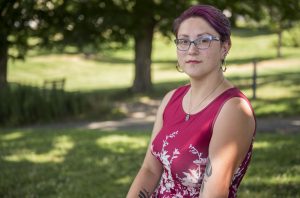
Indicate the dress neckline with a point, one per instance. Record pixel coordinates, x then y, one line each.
209 104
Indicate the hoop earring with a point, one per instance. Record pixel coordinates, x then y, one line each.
178 68
223 66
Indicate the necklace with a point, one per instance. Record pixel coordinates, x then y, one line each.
188 115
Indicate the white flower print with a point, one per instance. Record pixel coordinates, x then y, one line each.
193 178
190 184
239 172
164 157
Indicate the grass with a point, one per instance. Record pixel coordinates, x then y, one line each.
92 163
81 74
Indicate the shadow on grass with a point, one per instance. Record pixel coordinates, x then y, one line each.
273 171
92 163
69 163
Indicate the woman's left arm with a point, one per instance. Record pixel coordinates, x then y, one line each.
232 135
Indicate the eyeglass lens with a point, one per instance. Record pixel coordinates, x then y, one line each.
201 43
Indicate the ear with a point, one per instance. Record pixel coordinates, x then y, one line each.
226 45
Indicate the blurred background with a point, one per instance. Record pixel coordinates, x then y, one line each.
80 82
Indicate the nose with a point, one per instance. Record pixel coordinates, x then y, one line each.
193 49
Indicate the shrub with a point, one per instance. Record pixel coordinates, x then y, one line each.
22 104
291 37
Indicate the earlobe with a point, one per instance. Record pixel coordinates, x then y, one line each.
225 55
226 48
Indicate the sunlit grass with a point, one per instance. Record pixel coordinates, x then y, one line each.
12 136
61 146
81 74
118 143
259 145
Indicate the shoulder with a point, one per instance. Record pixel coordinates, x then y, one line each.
159 115
236 107
166 99
173 94
164 102
236 118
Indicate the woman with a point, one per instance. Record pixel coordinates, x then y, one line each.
202 138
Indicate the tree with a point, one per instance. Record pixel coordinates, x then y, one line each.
82 23
54 24
277 15
143 18
14 28
281 15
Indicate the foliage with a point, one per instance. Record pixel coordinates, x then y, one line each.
21 104
291 37
278 16
91 163
54 24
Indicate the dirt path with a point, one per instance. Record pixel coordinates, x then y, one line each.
274 124
141 117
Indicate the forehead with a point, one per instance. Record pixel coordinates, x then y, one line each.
195 26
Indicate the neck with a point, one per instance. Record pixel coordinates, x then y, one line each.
202 87
194 101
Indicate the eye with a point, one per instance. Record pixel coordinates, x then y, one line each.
205 39
183 42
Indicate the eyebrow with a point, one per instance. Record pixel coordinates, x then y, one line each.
198 35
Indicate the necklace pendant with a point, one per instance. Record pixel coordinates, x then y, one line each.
187 117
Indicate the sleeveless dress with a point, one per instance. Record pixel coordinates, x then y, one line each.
182 146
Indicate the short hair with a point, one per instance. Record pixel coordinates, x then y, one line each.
212 15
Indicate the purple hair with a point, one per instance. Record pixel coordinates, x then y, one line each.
209 13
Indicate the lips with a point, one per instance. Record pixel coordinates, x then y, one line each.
193 61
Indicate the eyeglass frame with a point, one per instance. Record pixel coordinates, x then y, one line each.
211 38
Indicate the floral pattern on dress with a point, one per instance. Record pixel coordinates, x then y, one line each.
187 186
240 172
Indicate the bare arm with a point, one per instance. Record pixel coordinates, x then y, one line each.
148 176
232 136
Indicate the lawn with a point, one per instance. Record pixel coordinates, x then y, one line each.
91 163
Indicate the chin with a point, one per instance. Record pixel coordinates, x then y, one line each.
194 76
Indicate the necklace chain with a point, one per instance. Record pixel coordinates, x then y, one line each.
188 115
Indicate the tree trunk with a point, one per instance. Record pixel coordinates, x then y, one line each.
143 49
3 61
279 33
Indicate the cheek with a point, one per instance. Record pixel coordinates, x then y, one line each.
214 56
180 57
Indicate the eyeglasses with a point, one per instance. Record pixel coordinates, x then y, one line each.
202 42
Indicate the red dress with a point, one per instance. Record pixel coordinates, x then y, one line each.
182 146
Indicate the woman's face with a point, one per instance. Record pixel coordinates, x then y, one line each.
200 62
